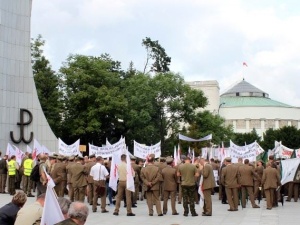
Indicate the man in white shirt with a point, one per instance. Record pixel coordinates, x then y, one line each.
99 174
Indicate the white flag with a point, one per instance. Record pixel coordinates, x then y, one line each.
288 170
10 150
130 172
200 191
50 182
52 213
29 150
175 156
113 180
37 147
19 155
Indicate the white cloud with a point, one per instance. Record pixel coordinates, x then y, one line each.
207 40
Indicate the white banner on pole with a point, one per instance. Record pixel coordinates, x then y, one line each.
142 151
109 150
68 150
185 138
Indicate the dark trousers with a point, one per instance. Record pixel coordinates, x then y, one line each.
96 196
188 195
11 185
27 184
3 178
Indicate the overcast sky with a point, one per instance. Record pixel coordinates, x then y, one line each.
206 39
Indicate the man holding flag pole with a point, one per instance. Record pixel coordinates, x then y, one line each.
126 184
51 204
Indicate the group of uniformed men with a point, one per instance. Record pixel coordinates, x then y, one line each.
157 181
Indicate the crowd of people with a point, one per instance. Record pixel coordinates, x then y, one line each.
86 179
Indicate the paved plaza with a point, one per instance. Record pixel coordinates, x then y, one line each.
287 214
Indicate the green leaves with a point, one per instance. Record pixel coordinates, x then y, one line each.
48 86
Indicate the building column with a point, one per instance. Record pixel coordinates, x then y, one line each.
276 124
247 125
234 125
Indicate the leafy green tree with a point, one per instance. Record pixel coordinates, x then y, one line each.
288 135
206 123
269 138
94 101
138 117
246 138
47 85
155 52
175 103
157 106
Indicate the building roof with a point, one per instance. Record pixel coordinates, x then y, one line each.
243 88
237 101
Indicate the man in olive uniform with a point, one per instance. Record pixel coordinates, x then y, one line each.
270 181
69 178
78 174
207 186
59 176
41 185
230 179
137 170
3 173
90 181
161 165
169 186
247 175
13 167
257 180
28 165
151 176
188 173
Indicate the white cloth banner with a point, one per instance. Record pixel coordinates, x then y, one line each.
10 150
37 148
68 150
51 205
282 151
115 161
19 155
185 138
130 172
175 156
245 152
45 150
109 150
142 151
200 191
204 153
288 170
297 151
28 149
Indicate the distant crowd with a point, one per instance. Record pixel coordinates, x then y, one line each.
81 180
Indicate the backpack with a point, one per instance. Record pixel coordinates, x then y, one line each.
35 173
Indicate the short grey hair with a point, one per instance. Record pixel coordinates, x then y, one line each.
79 211
64 204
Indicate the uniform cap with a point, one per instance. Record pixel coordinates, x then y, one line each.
169 160
228 159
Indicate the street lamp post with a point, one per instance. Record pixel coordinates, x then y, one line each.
223 103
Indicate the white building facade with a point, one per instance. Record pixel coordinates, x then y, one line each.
245 107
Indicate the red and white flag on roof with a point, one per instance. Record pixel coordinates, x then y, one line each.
245 64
